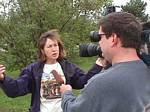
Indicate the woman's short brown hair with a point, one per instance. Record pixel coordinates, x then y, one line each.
53 35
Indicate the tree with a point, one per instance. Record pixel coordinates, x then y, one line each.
26 20
136 7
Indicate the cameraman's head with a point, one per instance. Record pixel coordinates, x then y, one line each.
120 35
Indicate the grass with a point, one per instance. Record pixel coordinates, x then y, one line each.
21 104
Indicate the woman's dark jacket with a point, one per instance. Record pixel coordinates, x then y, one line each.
29 81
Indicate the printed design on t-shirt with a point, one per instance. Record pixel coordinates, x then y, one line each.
50 87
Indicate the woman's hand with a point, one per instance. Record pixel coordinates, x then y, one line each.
2 70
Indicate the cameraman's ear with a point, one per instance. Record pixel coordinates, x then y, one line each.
115 39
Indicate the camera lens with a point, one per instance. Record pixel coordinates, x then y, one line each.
88 50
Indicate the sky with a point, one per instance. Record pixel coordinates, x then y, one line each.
123 2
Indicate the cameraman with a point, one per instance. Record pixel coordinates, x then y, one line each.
124 87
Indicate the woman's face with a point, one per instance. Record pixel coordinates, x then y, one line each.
51 51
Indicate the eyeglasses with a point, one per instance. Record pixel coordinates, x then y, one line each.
100 35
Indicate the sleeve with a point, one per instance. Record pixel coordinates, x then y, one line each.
82 103
80 78
18 87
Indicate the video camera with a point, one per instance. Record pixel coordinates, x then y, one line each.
88 50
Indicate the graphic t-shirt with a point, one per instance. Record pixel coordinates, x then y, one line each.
50 89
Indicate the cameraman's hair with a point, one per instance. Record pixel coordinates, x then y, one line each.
126 27
53 35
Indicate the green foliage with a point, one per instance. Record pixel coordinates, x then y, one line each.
26 20
137 7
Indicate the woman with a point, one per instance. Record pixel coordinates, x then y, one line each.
43 78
